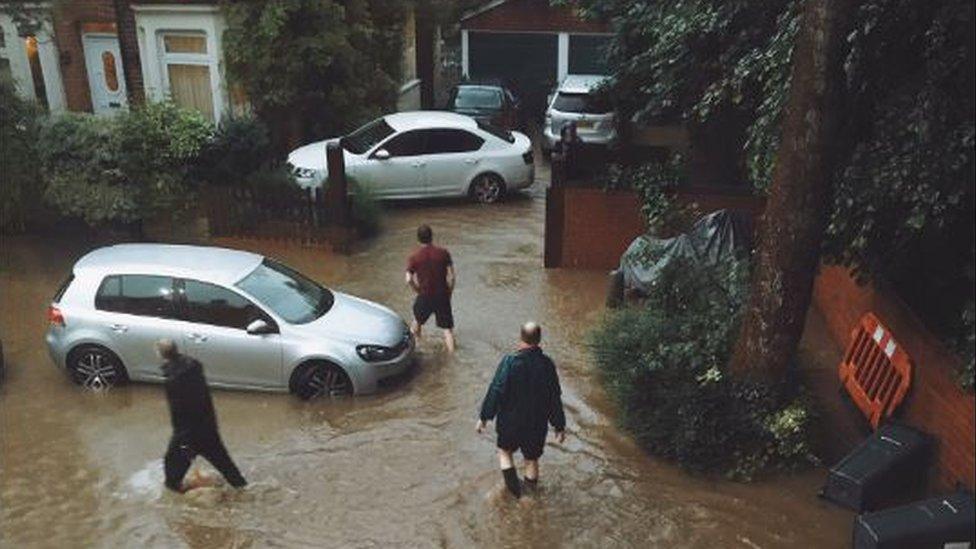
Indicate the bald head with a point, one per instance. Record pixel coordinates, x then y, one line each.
166 348
531 333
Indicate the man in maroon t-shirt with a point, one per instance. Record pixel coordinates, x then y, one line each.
430 273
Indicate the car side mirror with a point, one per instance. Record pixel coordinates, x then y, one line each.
259 327
382 154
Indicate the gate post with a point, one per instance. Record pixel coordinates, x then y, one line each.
337 195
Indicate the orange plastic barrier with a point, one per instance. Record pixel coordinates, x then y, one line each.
876 371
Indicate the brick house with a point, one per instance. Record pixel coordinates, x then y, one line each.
102 55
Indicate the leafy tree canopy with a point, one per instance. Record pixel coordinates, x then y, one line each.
319 67
903 185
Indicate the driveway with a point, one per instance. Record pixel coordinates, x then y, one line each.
401 468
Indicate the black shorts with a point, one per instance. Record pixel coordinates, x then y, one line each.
424 306
530 445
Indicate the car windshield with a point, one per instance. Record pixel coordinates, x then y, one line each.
579 103
469 97
496 131
287 292
366 137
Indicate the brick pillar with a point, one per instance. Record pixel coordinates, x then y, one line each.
552 256
337 194
129 46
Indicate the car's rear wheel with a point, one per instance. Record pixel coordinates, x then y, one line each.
487 188
95 367
320 379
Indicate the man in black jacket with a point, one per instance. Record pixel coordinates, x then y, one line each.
525 397
194 421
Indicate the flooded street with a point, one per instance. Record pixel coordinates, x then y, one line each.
400 468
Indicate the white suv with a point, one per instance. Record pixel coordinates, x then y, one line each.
574 101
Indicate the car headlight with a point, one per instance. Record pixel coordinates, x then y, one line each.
375 353
303 173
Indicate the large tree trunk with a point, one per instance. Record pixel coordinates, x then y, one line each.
791 230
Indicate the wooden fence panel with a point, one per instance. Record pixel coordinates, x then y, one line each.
294 215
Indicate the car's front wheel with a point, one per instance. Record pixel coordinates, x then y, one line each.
95 367
487 188
320 379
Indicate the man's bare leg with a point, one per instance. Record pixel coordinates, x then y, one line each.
415 329
449 340
505 459
509 473
532 470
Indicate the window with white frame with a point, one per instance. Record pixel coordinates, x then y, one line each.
186 66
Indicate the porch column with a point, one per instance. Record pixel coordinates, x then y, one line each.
562 56
47 53
464 53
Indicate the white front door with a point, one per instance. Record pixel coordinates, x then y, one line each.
105 78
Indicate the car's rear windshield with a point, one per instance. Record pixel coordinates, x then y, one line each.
496 131
470 97
63 288
366 137
583 103
291 295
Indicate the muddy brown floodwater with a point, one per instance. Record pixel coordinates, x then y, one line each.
401 468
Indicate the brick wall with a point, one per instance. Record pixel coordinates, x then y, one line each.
129 46
69 20
596 226
935 403
590 228
73 19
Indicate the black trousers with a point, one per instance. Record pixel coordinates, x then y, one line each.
182 450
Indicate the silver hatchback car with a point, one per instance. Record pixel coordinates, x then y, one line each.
253 322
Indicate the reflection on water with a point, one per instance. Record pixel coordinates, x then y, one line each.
403 467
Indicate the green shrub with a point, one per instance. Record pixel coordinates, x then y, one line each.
366 209
240 150
158 145
21 186
664 363
134 166
79 158
656 183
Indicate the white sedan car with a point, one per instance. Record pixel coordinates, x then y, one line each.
425 154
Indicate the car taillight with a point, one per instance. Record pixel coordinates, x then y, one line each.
528 157
54 316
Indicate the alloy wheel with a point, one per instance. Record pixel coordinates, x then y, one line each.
326 380
95 369
487 189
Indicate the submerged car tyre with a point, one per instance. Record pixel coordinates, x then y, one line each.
95 367
487 188
320 379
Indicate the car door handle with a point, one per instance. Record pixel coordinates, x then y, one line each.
199 338
471 160
419 164
119 328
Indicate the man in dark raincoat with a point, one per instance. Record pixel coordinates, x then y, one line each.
524 398
194 420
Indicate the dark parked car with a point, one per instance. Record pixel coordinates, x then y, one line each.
493 103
